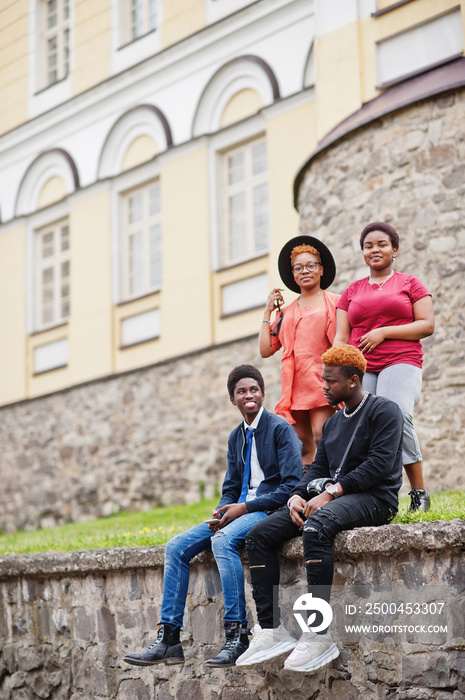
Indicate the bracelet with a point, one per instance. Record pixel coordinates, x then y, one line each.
265 321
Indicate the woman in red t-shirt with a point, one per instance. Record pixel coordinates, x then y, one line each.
385 315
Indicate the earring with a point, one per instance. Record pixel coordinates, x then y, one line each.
393 257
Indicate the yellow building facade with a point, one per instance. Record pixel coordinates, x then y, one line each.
148 150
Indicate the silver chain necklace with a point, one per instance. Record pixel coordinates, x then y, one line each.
349 415
380 286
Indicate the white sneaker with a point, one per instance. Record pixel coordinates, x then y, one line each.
266 644
312 651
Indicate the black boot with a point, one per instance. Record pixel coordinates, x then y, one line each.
167 649
236 643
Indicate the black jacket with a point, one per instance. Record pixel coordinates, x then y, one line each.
374 461
279 452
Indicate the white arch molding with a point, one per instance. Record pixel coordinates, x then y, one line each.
245 72
309 71
144 120
53 163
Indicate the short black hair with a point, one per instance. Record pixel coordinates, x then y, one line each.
385 228
349 372
242 372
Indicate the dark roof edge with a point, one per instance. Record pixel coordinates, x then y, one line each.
439 80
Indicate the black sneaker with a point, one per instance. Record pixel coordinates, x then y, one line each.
167 649
419 500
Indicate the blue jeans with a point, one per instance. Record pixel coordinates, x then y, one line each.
225 545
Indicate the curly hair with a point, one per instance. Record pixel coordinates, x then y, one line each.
348 358
243 372
385 228
305 249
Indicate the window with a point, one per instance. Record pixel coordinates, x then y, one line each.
139 328
244 295
52 275
142 244
245 203
55 22
51 356
141 17
419 48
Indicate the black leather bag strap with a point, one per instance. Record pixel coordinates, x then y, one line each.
344 456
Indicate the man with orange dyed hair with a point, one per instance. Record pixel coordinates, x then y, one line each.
353 482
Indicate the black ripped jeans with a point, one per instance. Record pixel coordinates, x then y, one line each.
265 538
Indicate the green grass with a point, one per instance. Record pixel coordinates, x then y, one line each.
156 526
159 525
445 505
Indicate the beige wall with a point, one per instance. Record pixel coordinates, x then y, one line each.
90 331
242 105
13 63
181 18
92 44
337 67
186 253
13 366
291 137
53 190
142 149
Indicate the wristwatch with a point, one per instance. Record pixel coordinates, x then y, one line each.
332 490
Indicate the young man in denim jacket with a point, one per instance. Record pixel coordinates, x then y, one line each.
264 466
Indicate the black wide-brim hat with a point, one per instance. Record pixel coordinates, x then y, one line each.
327 260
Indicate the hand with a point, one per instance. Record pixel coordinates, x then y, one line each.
296 508
275 297
316 503
371 340
227 514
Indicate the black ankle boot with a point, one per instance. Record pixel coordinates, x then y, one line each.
236 643
167 649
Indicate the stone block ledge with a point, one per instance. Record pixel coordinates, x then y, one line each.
388 540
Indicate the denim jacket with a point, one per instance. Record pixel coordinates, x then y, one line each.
279 453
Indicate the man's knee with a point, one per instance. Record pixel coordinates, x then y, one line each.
221 542
320 529
171 547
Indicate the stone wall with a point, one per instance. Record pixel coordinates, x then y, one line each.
150 437
66 621
407 169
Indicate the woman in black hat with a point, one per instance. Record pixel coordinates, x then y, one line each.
305 330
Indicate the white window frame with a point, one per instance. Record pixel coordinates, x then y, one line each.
58 32
248 245
138 18
60 257
224 140
142 227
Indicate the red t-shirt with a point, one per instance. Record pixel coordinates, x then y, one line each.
369 307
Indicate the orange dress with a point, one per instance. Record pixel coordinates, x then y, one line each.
305 334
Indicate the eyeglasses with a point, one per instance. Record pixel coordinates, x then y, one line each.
311 267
